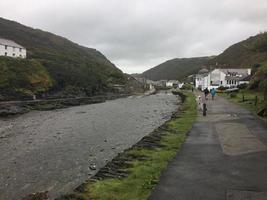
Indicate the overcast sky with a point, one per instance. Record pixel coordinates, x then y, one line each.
139 34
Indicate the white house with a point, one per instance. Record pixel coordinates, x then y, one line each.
12 49
222 77
172 83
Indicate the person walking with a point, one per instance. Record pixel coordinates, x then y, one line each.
206 93
212 92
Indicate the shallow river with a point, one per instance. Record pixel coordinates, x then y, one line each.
52 150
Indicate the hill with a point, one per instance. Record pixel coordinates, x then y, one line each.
245 53
242 54
67 66
178 68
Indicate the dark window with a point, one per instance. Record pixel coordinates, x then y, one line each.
20 49
221 82
211 82
13 54
5 53
5 46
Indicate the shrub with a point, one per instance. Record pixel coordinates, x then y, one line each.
222 88
242 86
187 87
233 95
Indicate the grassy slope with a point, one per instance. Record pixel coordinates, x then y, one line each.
21 77
249 97
145 174
242 54
177 68
245 53
67 63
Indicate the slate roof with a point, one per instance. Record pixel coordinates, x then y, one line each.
10 43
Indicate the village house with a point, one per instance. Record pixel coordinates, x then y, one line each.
172 83
222 77
11 49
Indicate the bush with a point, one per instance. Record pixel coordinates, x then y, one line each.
187 87
242 86
222 88
233 95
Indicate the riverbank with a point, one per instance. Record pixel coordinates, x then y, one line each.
12 108
134 173
58 150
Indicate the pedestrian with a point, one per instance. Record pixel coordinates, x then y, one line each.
206 93
212 92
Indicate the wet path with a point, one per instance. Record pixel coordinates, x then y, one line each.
223 158
52 150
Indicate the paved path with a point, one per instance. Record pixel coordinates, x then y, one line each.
224 157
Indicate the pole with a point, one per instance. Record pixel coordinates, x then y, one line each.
204 109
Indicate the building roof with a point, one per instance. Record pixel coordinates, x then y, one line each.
247 78
10 43
203 71
237 71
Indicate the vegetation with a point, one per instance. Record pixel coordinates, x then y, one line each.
259 82
249 99
22 78
178 68
147 164
67 64
244 54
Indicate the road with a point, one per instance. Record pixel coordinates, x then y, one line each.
223 158
53 150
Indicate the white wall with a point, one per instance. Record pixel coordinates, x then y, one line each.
14 52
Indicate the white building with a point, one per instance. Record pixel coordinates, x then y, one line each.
172 83
221 77
11 49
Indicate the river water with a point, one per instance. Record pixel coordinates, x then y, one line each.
52 150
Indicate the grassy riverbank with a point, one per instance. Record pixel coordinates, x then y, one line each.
251 100
140 166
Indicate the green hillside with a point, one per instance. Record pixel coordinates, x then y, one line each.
69 66
245 53
177 68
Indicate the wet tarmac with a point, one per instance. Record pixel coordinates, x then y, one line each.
57 150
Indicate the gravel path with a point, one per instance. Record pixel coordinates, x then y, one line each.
53 150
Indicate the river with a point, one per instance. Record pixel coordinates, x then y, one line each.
52 150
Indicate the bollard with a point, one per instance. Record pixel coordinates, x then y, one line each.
256 100
204 109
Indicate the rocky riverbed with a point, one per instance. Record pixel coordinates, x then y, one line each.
57 150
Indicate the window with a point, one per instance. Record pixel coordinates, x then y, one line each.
5 53
20 55
20 49
221 82
211 82
5 46
13 54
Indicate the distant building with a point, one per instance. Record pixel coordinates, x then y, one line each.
11 49
172 83
222 77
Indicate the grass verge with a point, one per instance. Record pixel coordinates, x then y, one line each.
247 99
146 162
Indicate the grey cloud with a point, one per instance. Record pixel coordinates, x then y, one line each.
139 34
